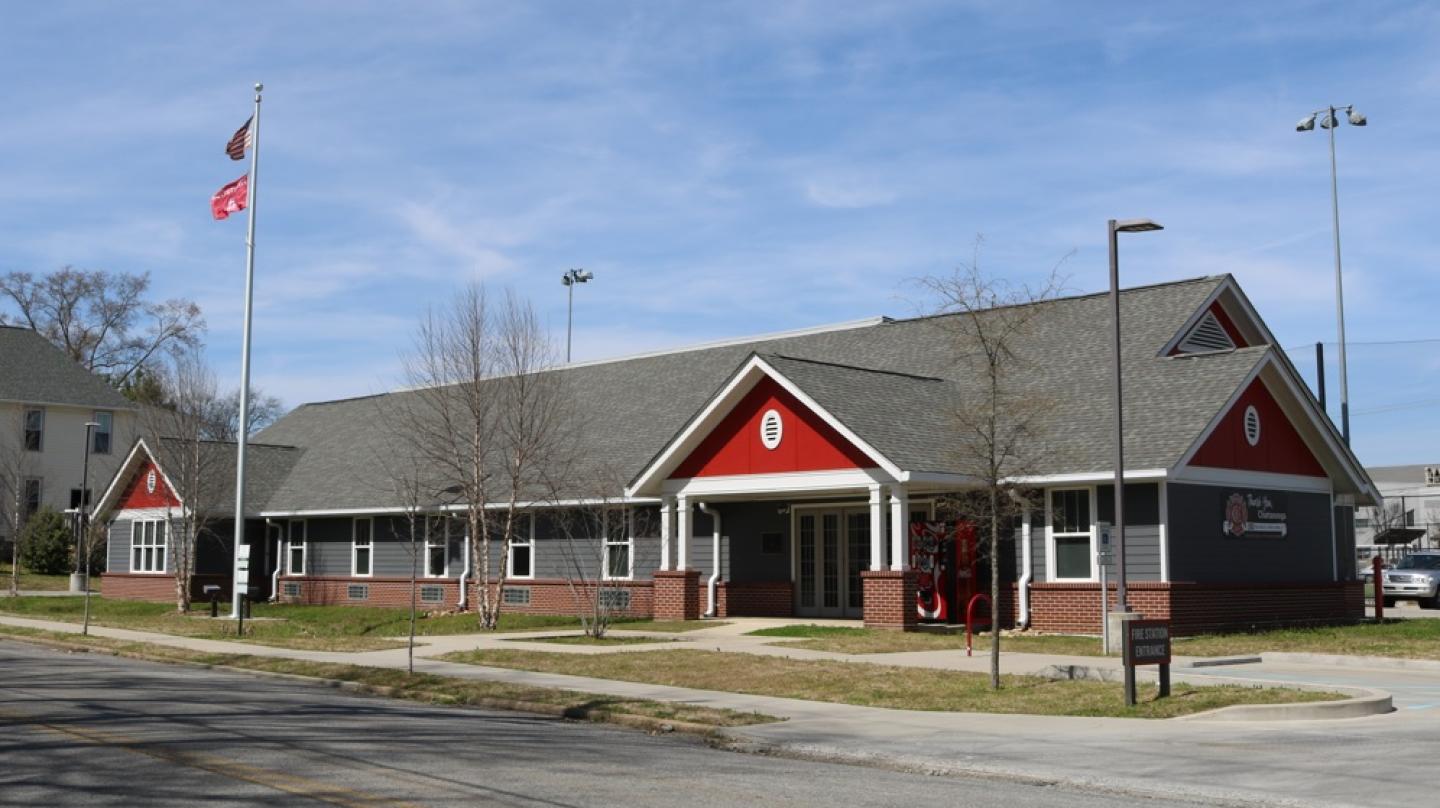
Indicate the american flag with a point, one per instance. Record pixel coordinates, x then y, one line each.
239 142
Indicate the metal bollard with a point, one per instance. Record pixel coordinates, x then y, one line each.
1379 567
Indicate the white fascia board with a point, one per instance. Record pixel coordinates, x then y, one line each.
1204 475
126 471
454 508
1088 477
740 384
807 482
147 514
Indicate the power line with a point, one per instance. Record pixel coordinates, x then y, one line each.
1425 341
1411 405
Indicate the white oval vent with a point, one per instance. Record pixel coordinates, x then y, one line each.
771 429
150 482
1252 425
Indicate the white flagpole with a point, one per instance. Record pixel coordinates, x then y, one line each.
243 437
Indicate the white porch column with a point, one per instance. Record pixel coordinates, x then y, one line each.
686 532
877 529
899 527
667 521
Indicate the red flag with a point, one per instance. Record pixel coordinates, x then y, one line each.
239 142
231 198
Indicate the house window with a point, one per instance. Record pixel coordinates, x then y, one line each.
147 546
100 439
33 489
1071 533
437 551
618 544
35 430
75 498
295 548
522 549
361 531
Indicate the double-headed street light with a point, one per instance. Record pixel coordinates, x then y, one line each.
569 279
1117 227
1330 122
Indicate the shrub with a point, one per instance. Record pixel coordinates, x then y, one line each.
45 543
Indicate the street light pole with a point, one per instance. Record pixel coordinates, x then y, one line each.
569 279
1331 122
1122 603
81 545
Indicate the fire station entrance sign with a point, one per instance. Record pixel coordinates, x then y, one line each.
1146 642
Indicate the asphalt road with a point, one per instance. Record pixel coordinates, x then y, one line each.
84 729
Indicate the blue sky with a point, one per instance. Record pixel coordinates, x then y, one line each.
730 168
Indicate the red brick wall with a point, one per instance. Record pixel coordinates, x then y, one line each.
755 599
677 595
159 588
383 591
1074 608
889 599
556 596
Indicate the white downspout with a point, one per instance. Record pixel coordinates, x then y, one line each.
464 573
279 559
714 557
1028 573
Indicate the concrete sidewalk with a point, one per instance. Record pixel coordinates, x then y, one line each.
1291 762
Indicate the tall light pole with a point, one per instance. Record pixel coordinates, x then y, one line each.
569 279
1122 604
81 546
1331 122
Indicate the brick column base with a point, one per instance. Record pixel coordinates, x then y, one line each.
677 594
890 599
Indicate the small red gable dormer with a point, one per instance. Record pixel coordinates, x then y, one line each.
770 431
148 489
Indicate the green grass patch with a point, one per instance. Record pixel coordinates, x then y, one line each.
881 685
585 639
423 687
668 626
323 628
33 582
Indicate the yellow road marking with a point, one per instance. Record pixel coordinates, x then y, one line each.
289 783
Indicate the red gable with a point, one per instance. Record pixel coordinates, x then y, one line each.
147 490
736 446
1278 447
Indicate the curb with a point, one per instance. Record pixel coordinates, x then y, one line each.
629 720
1344 661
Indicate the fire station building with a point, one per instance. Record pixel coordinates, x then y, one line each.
798 474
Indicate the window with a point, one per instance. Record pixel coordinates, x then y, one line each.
522 549
290 589
295 548
100 439
516 596
432 594
75 498
34 430
147 546
1071 532
361 531
617 544
437 550
358 591
33 488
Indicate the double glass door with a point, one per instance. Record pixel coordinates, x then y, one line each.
832 547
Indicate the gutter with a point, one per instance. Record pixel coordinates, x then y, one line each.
279 559
1028 574
464 573
714 557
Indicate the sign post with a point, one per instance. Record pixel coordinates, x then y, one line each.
1147 642
242 585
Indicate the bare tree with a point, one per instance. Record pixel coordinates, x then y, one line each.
102 320
594 533
486 417
196 465
16 465
998 420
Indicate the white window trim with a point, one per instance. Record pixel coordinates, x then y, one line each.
628 542
355 547
290 546
529 541
162 546
443 542
1050 535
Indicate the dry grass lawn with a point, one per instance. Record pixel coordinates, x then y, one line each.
879 685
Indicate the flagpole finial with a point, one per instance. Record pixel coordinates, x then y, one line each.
259 86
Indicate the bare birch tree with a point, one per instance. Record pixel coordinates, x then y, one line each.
15 467
998 421
485 416
594 533
181 436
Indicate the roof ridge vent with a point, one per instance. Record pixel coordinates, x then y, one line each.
1206 335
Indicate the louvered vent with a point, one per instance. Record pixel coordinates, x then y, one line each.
1207 335
1252 426
772 429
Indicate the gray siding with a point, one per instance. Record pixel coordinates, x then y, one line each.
117 548
1203 552
1345 561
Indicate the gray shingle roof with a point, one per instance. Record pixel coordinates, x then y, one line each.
34 371
885 381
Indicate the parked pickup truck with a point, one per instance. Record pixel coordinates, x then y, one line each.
1416 577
